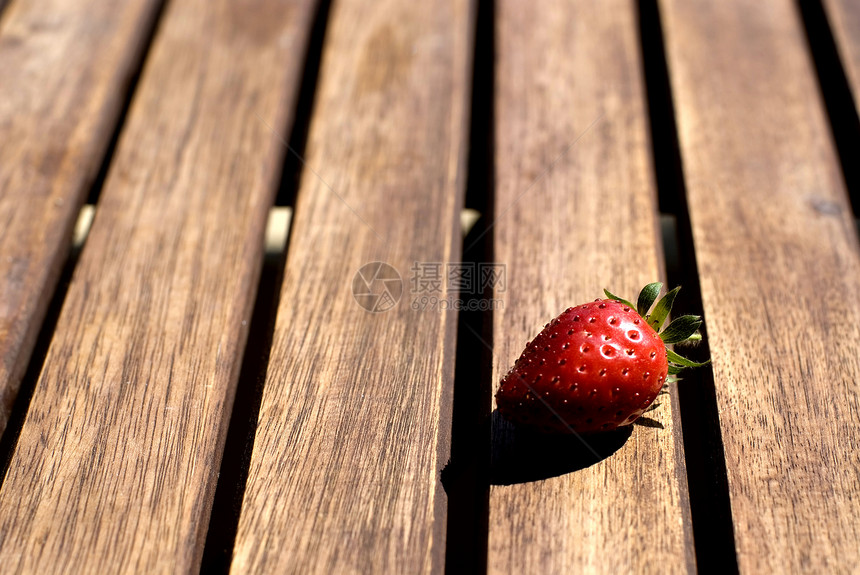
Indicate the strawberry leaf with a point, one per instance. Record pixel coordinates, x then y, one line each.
662 309
682 361
610 295
647 296
675 369
681 329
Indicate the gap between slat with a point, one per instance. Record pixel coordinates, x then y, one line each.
91 179
710 507
465 478
130 89
233 475
9 435
835 93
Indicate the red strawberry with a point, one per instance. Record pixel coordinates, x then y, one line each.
597 366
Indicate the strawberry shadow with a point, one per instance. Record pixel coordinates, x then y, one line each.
521 456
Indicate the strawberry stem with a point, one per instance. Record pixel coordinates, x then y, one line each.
680 330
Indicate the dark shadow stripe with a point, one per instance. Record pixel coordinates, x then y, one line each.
9 439
293 165
129 89
835 93
465 478
227 503
10 435
710 505
239 444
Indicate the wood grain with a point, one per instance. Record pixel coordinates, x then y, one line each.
780 278
65 67
844 19
355 417
117 460
576 212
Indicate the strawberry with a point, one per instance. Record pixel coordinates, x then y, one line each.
597 366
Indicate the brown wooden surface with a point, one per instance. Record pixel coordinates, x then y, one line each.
780 279
355 417
844 19
117 460
576 212
64 67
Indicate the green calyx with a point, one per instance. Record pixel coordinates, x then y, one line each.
680 330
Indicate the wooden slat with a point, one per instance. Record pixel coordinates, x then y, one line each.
355 416
844 19
576 212
64 68
116 464
780 279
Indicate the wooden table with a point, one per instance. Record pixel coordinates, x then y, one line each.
178 394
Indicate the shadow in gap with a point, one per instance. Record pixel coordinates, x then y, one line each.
710 505
835 93
235 464
464 478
